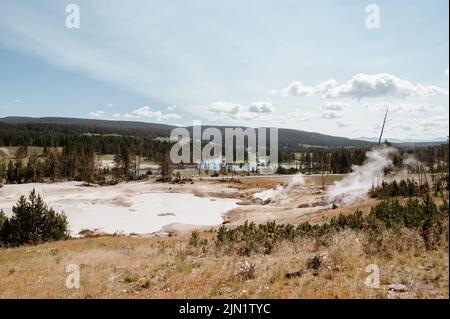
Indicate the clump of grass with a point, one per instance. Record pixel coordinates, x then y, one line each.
182 267
130 278
145 284
196 241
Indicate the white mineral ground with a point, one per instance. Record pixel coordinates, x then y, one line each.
146 207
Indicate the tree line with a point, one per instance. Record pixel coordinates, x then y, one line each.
77 159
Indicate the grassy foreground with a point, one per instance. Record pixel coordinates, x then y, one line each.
397 250
174 267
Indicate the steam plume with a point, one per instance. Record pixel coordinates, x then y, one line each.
281 191
358 183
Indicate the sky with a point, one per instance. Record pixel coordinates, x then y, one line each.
325 66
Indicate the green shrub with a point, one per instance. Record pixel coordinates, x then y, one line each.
423 217
33 222
3 225
407 188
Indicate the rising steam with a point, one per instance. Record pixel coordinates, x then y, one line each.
358 183
281 191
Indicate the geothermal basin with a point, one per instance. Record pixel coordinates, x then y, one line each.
139 208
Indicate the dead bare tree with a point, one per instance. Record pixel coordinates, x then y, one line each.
324 169
382 127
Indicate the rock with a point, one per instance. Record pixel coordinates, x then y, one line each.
425 267
257 201
88 233
316 262
247 270
267 201
397 288
226 290
294 274
305 205
164 234
319 203
324 257
167 214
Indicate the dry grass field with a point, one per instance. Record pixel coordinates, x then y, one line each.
172 267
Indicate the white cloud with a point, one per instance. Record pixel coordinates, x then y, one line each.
331 115
404 127
332 110
261 107
324 87
225 107
334 106
410 108
171 108
300 116
171 116
365 86
240 116
116 115
146 112
440 119
110 104
382 85
296 88
97 113
436 126
224 110
342 123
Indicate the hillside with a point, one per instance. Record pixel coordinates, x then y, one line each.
288 138
407 142
66 125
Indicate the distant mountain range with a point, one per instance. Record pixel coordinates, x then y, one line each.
407 142
288 138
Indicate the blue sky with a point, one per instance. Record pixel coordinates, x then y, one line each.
309 65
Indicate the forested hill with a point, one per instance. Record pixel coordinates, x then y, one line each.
80 126
36 128
290 139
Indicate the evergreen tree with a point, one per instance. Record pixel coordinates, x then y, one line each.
10 173
53 166
22 152
3 218
18 172
166 169
32 222
4 228
2 171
